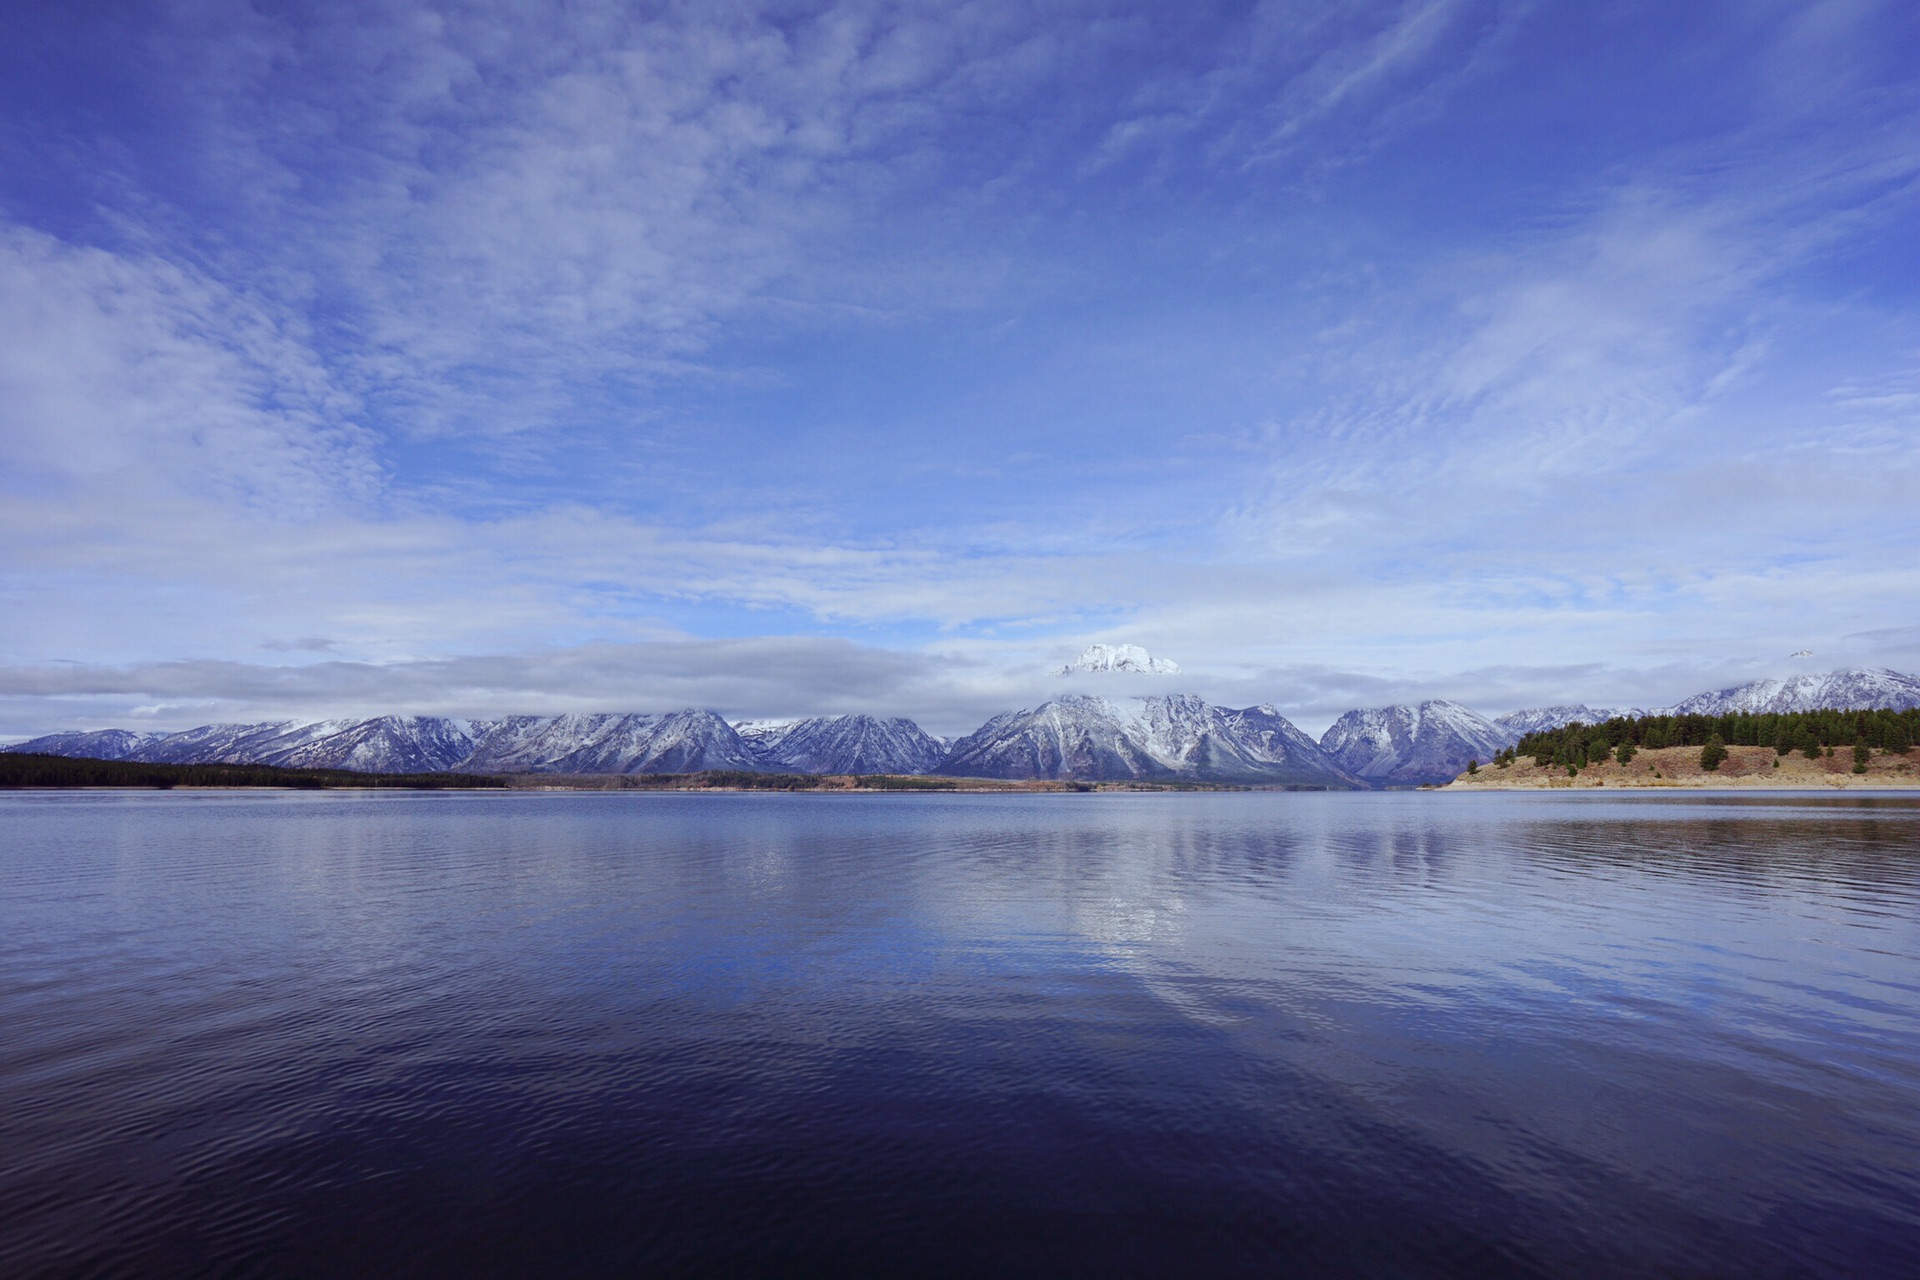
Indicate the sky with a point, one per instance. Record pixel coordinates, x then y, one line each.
793 359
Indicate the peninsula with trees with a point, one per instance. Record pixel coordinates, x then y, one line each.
1822 750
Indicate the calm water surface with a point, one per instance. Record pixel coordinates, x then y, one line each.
1387 1035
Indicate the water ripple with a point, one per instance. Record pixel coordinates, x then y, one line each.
1096 1035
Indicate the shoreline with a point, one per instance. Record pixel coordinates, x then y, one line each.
1871 787
1745 769
1678 769
1858 788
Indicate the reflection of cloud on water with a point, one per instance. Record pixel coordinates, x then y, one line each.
1316 903
1121 922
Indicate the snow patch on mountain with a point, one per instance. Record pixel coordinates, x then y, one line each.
1119 657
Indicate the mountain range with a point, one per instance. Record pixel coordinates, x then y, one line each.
1849 689
1168 738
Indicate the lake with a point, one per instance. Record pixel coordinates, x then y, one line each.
1158 1034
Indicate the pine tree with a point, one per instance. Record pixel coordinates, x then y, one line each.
1713 754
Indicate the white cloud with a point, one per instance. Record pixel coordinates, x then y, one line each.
134 371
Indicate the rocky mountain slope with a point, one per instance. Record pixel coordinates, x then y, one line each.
846 744
1167 738
1411 745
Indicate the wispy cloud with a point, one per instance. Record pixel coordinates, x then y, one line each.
1354 348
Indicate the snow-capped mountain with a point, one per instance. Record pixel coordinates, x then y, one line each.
679 742
1849 689
384 744
1170 737
845 744
1119 657
97 744
221 744
1540 719
1408 746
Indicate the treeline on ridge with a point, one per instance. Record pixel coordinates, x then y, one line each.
32 770
1811 732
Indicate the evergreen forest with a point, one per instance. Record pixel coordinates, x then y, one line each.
1810 732
24 769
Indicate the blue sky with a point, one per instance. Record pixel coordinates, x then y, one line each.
799 358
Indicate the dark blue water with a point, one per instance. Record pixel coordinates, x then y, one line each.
1387 1035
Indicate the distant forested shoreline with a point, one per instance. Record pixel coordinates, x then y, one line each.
22 771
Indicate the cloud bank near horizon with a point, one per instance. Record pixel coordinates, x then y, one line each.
458 353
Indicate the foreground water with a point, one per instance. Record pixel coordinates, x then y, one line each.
1395 1035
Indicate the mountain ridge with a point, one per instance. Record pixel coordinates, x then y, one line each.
1412 745
856 744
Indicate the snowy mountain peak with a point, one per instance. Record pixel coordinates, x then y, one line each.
1119 657
764 733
